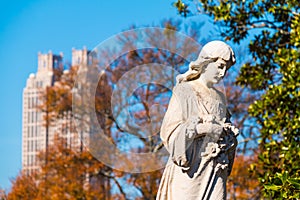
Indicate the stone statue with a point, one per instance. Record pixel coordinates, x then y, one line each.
197 132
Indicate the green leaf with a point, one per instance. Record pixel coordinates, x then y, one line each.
295 182
272 187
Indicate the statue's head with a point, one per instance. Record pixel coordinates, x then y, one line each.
214 51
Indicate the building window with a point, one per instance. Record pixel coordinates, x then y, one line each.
29 102
28 160
28 145
33 131
32 102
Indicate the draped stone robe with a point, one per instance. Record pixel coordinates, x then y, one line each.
198 165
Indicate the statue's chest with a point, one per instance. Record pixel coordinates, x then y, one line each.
212 103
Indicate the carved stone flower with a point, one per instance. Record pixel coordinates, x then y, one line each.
211 150
233 129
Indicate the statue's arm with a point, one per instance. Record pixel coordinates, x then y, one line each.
178 129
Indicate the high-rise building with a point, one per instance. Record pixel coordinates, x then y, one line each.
36 134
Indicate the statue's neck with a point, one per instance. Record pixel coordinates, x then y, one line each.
202 83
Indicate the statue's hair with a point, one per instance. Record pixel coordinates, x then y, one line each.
210 52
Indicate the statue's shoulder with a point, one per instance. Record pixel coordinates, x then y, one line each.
221 95
183 89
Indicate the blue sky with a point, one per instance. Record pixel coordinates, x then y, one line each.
27 27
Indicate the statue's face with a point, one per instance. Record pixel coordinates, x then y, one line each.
214 71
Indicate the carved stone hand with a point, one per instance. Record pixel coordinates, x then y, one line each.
209 128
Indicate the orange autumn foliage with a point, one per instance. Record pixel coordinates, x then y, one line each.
65 174
241 183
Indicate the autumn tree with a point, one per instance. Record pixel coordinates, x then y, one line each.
67 175
23 187
241 184
271 30
57 106
3 194
72 175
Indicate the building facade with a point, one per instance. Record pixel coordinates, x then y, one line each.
37 135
